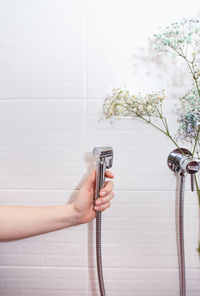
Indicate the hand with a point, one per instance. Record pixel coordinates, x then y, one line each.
84 204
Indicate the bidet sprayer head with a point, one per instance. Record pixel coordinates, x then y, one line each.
104 160
104 155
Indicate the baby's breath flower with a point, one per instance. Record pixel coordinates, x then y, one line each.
181 38
149 108
122 103
189 115
140 108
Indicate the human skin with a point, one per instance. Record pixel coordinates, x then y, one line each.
19 222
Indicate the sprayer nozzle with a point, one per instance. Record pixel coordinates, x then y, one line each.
104 154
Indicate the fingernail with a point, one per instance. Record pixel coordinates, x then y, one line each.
103 193
98 202
97 208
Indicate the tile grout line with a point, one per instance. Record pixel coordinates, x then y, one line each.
85 57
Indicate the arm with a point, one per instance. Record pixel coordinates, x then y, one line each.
18 222
22 221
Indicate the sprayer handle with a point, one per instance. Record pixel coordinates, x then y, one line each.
100 178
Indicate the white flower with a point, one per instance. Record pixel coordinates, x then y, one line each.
149 108
143 100
122 103
140 108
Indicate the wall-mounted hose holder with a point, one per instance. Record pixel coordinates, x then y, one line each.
182 163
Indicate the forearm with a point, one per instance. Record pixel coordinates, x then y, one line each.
18 222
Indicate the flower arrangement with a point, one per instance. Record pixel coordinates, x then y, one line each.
182 40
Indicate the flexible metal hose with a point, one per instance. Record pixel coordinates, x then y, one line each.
100 169
180 237
99 255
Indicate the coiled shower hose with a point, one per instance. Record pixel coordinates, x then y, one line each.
100 169
180 233
99 255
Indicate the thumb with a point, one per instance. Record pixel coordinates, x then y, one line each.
90 181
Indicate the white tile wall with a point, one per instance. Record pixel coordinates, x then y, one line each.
58 60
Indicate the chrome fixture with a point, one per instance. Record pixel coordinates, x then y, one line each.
104 160
181 162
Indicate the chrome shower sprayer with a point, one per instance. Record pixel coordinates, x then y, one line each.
104 160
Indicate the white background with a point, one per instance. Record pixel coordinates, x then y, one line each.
58 61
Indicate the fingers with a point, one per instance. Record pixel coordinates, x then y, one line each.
103 207
109 174
103 200
103 203
106 194
107 188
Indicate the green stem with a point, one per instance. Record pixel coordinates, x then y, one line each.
197 187
198 154
191 68
166 125
196 141
195 78
148 121
164 132
198 193
164 121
